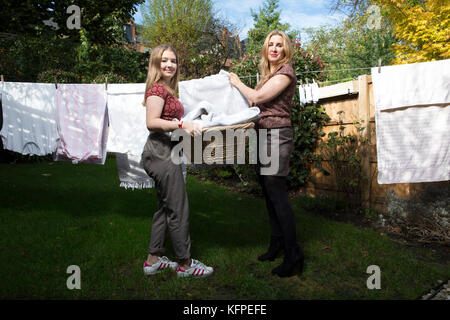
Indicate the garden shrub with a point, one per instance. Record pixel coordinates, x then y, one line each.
343 153
61 76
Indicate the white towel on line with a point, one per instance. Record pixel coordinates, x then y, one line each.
425 83
412 132
131 172
29 118
127 120
413 144
215 89
128 133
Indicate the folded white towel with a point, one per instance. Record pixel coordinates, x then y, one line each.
215 89
202 108
29 118
425 83
205 117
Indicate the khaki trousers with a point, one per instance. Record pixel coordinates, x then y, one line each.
172 217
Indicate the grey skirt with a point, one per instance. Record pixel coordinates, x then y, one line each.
269 163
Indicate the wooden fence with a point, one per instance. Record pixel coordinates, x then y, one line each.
351 105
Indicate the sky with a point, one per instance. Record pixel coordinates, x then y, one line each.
298 13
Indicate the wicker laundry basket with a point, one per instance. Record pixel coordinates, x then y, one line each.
206 149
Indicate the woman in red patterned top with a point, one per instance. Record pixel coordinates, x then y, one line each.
273 95
163 115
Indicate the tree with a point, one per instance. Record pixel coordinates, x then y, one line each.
422 28
30 50
192 29
266 20
101 19
354 43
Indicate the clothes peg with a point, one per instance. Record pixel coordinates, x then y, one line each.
106 84
3 80
56 83
379 65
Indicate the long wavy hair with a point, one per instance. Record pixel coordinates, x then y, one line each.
264 65
154 74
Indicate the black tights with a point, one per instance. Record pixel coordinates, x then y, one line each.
281 215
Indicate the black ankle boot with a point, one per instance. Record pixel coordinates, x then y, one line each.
275 247
293 263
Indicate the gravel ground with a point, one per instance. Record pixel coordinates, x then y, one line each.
442 292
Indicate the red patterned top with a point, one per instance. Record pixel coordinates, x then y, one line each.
172 106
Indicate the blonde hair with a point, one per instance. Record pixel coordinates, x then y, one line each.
154 70
264 65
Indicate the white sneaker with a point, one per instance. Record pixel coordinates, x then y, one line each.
163 263
197 270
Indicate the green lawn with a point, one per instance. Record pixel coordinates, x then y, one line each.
54 215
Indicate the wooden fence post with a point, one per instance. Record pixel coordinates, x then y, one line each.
364 117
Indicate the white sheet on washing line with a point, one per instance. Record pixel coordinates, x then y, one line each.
29 118
127 123
412 118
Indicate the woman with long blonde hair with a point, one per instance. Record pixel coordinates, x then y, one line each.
273 95
163 114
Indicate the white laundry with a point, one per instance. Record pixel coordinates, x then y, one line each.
127 118
81 115
131 172
29 118
412 122
205 117
215 89
308 93
315 92
302 95
203 108
425 83
128 133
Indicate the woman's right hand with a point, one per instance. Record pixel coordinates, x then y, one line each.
234 79
192 128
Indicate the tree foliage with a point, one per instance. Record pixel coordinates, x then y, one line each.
419 26
32 51
102 19
422 28
192 29
265 20
352 44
